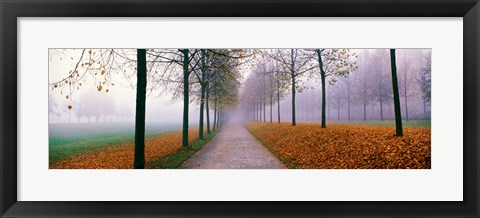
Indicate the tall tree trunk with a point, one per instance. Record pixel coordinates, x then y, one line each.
139 150
254 112
364 112
405 94
202 94
220 118
271 110
278 104
264 110
202 105
364 97
381 110
215 114
324 97
293 101
338 108
185 98
208 110
348 96
406 108
396 97
425 108
260 111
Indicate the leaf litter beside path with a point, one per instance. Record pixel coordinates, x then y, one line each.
309 146
121 156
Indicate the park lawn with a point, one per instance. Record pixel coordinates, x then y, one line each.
67 140
339 146
161 151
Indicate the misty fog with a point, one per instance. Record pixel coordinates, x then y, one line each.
363 94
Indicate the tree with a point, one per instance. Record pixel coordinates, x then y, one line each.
425 81
337 97
170 59
396 96
382 86
363 95
297 63
139 152
124 112
53 106
409 66
334 63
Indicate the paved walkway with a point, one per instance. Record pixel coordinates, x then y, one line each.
233 148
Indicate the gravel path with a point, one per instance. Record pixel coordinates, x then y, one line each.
233 148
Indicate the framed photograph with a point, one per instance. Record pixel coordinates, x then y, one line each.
227 108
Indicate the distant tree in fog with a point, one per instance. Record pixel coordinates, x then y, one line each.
124 112
382 84
363 88
409 64
94 104
425 81
53 109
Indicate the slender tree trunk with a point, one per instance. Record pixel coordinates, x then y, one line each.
264 110
215 114
271 110
396 97
348 96
278 105
202 104
406 107
324 97
381 110
254 112
338 108
381 100
260 111
139 150
294 123
364 112
208 110
364 97
185 98
405 94
424 108
220 118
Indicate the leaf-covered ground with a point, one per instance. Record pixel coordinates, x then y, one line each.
121 156
345 146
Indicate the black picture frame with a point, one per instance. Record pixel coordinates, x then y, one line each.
10 10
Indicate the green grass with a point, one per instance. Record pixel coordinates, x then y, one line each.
66 140
421 123
172 161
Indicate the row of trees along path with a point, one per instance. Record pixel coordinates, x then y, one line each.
213 77
280 73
